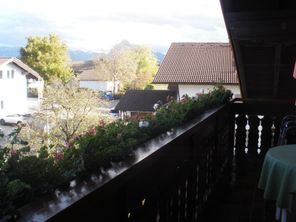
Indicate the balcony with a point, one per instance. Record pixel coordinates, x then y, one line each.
204 171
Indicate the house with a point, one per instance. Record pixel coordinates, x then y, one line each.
138 103
195 68
20 87
90 79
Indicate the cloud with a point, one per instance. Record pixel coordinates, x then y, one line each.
15 31
97 25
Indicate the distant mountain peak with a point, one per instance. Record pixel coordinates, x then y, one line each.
76 55
79 55
123 45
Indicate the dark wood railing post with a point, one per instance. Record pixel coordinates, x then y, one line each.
253 136
230 149
266 136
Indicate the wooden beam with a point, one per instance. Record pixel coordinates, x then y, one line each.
260 15
240 68
276 74
261 25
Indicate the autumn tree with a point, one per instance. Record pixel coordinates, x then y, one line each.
117 66
48 56
133 66
146 67
66 112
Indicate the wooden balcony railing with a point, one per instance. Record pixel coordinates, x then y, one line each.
174 181
171 184
257 125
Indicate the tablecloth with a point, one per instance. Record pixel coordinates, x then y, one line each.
278 175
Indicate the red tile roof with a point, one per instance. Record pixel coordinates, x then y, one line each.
20 64
203 63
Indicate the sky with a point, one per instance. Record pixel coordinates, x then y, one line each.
97 25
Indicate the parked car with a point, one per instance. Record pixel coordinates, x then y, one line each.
107 95
13 119
114 112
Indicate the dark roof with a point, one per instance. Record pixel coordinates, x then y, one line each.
19 63
263 38
204 63
143 100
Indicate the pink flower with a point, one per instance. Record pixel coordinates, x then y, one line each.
92 131
102 123
184 99
13 152
59 156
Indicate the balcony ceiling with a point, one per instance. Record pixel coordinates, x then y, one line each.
263 37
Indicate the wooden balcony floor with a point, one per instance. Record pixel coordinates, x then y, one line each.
240 201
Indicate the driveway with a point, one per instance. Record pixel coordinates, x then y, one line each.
110 104
7 128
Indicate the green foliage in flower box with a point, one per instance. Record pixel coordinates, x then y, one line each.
24 176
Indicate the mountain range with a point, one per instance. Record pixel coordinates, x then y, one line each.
75 55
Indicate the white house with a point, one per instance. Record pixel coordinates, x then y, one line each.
20 87
90 79
195 68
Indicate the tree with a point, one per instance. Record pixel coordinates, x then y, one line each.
134 67
66 112
146 67
117 66
48 56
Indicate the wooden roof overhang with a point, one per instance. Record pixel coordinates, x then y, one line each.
263 38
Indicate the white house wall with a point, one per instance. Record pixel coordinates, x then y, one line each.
192 90
13 91
98 85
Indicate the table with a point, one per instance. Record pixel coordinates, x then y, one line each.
278 175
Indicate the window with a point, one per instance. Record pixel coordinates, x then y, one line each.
2 104
1 76
12 74
8 74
